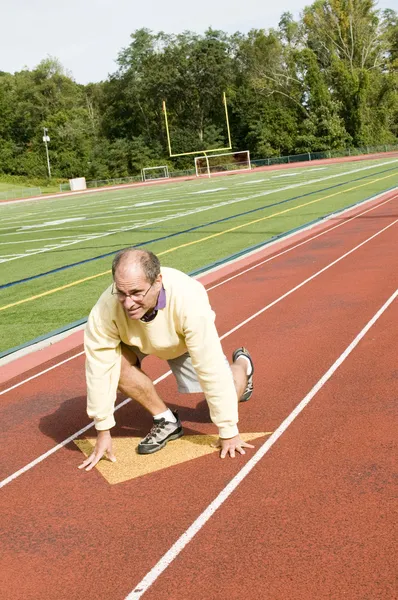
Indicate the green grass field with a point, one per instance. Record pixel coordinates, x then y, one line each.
230 214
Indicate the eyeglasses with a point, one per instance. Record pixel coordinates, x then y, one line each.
122 296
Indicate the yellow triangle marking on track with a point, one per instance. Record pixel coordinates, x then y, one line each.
130 465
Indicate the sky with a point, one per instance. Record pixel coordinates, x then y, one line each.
87 35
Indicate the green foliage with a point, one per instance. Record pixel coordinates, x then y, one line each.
354 47
324 82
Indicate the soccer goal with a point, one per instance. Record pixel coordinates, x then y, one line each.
229 162
149 173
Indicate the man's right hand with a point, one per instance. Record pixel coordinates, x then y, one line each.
102 446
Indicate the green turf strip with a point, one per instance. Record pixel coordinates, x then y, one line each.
71 253
27 321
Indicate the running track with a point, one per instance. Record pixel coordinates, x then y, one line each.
312 519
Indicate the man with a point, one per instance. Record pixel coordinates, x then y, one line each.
157 311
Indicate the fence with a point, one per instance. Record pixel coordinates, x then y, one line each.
308 156
95 183
20 192
273 160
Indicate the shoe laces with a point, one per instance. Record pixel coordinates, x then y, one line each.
156 428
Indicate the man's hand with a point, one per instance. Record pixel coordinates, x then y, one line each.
102 446
228 446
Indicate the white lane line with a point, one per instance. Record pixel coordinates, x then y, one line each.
201 209
300 285
255 266
197 525
41 373
42 457
255 315
314 237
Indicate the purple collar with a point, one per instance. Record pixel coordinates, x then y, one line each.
161 303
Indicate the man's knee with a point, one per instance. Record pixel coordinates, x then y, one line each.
129 357
129 360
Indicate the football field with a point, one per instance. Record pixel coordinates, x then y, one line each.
56 254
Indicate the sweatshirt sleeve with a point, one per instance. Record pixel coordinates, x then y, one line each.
103 360
211 367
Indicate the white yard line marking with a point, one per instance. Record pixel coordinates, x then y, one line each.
273 257
252 181
49 223
108 211
202 209
285 175
150 202
33 241
197 525
94 194
255 315
255 266
208 191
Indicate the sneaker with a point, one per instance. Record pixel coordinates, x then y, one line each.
249 387
162 432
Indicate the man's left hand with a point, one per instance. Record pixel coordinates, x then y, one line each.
229 446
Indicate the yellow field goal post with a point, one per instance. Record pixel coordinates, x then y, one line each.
216 164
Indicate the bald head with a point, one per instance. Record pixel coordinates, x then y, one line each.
140 260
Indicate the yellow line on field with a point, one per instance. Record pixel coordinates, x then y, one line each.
58 289
282 212
204 239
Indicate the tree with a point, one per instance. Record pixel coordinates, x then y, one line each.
325 81
347 38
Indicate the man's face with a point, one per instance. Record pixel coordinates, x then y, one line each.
137 295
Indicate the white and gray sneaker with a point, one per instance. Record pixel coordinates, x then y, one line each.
162 432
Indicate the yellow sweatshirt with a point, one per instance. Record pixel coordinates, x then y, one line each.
185 324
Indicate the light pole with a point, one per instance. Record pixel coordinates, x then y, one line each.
46 139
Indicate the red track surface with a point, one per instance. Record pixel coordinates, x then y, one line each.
313 519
